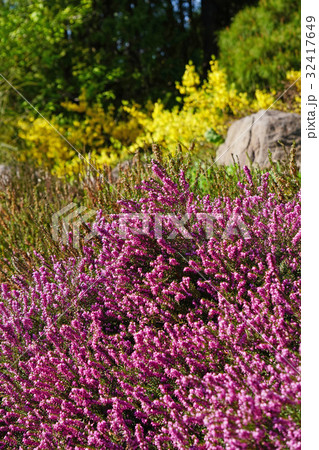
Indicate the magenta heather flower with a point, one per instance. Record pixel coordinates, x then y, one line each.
151 343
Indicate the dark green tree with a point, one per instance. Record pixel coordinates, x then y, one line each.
135 49
262 44
216 15
115 49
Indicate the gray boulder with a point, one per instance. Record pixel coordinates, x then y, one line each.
256 134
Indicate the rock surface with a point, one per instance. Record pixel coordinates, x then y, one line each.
258 133
5 174
119 168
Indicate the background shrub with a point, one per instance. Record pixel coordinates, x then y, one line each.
202 115
262 44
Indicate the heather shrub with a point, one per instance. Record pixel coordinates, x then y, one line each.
28 199
156 343
31 196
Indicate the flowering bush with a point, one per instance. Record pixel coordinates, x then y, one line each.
212 105
92 130
204 110
155 343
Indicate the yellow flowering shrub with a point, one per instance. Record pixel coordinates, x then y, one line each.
204 110
293 94
211 105
43 143
93 131
202 107
295 76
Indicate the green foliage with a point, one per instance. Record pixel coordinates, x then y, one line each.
36 53
213 137
111 49
133 50
262 44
